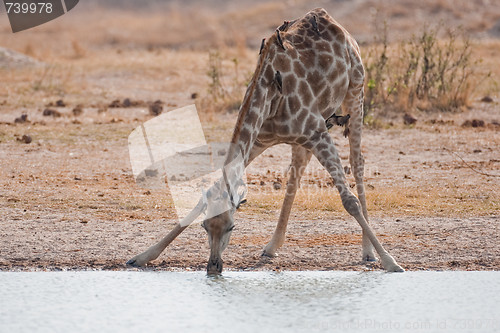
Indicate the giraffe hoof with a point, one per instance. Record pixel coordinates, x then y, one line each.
390 265
369 258
395 269
132 263
136 262
266 254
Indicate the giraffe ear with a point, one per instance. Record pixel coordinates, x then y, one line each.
240 203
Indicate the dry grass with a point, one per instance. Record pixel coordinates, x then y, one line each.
425 73
452 200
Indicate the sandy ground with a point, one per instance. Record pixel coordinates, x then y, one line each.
69 200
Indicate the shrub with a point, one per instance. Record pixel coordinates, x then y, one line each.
423 72
225 90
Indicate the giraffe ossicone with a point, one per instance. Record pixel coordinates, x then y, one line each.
306 70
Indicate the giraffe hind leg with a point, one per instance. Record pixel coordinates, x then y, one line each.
353 106
323 147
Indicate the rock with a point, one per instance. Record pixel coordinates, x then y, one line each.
156 108
115 104
22 119
277 186
77 110
25 139
473 123
51 113
194 95
12 59
60 103
408 119
102 109
127 103
487 99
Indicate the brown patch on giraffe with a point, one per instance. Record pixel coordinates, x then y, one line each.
297 39
252 118
325 154
299 69
311 123
289 84
297 124
282 128
337 71
301 140
292 53
282 63
339 50
320 12
293 103
325 62
325 99
278 107
337 33
258 92
272 49
307 58
305 92
323 20
312 34
357 74
268 74
316 81
301 118
245 134
305 45
323 46
321 146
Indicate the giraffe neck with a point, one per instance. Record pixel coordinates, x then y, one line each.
253 112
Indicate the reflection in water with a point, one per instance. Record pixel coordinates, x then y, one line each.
242 301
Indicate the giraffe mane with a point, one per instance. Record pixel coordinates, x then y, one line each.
251 88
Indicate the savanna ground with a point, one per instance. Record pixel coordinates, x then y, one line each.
68 199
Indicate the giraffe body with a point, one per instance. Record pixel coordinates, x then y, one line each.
307 70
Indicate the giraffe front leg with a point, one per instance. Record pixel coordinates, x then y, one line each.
300 159
154 251
324 149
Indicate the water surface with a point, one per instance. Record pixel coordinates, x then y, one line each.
129 301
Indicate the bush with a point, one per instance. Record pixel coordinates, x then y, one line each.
423 72
225 90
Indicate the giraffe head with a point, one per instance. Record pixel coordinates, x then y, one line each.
219 223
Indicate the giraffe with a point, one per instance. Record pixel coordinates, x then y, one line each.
307 70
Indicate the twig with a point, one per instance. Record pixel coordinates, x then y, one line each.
468 165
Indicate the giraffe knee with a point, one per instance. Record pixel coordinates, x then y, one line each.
351 205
